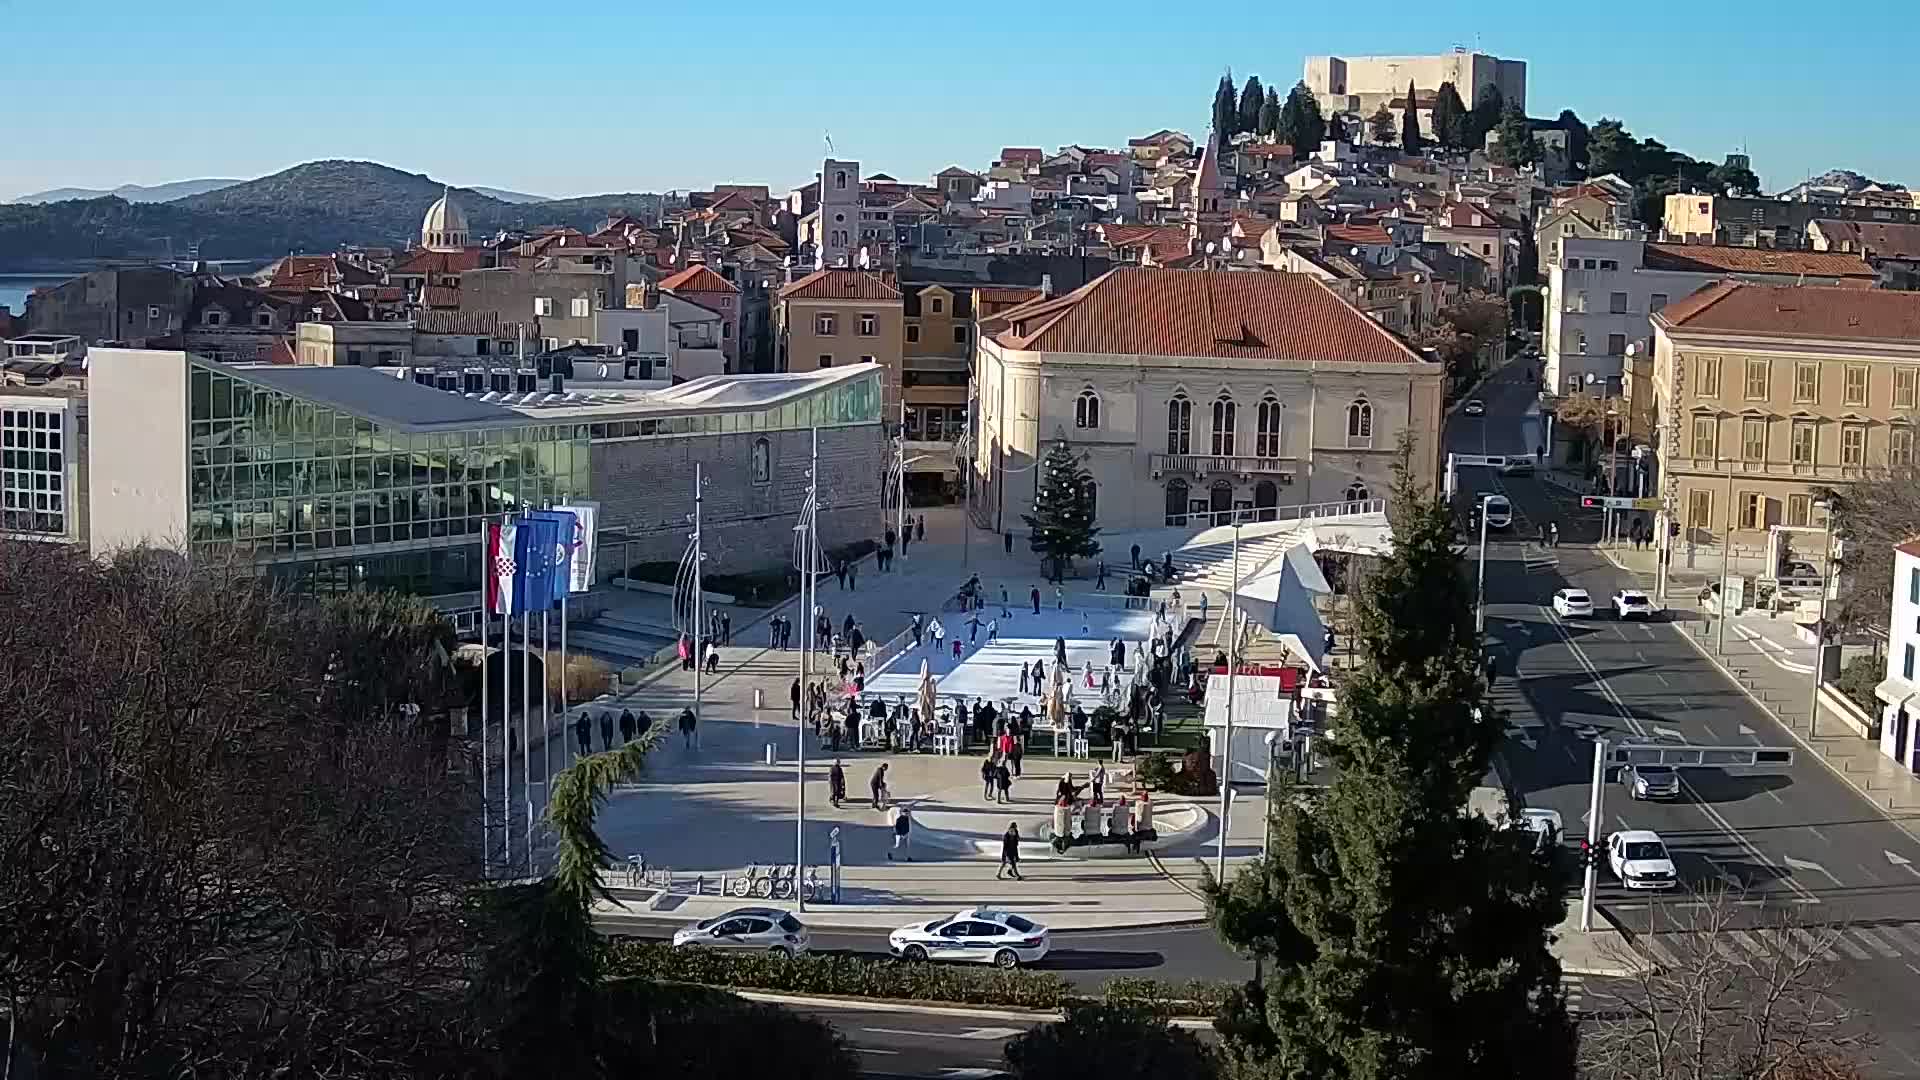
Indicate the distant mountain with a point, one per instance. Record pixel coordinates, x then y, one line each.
319 206
133 193
510 196
1841 181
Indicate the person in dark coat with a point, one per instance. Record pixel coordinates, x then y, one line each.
837 784
793 695
1010 852
606 730
1034 595
689 725
989 774
583 733
642 724
1003 780
626 726
1008 538
1019 751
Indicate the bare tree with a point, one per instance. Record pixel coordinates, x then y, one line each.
1742 999
1873 515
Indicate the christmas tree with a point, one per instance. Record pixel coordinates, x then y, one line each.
1061 525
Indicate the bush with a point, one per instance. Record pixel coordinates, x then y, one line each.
1155 770
1194 997
694 1031
1112 1042
844 976
1194 776
1857 680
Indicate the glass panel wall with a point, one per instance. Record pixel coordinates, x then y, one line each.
274 474
851 403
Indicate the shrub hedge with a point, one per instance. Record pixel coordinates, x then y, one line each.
862 976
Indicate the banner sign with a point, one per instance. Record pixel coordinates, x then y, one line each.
586 533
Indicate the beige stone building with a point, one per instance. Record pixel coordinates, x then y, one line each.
832 318
1195 394
1768 395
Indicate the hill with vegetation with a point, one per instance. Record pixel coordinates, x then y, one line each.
318 206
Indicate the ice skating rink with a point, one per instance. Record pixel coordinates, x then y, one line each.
993 671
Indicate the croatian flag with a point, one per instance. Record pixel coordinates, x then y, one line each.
502 567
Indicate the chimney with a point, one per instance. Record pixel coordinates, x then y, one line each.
1046 285
556 383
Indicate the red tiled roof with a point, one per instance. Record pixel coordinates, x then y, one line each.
281 352
1909 546
697 279
1798 311
1021 153
438 262
1881 239
1359 234
1713 258
1267 150
841 285
441 296
1214 313
1164 241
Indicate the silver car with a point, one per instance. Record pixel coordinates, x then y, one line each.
760 929
1651 781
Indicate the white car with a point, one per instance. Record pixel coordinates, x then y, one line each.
973 935
1573 603
1638 857
1499 511
758 929
1544 824
1632 604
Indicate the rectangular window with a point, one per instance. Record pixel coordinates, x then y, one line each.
543 305
1854 390
1657 302
1616 344
582 307
866 360
959 335
1800 510
1853 445
1906 662
1900 446
1751 505
1706 437
1913 587
1617 303
1708 378
1803 440
1700 509
913 334
869 325
826 360
1753 440
1904 382
1806 383
823 325
1610 264
1756 379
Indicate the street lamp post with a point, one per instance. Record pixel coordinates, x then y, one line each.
1828 579
1226 738
1480 589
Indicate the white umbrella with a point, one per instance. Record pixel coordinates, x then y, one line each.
926 690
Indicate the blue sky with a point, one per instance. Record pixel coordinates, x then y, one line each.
584 97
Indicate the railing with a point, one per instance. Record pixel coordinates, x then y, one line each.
1298 512
1208 464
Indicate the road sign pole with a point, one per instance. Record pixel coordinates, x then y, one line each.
1591 872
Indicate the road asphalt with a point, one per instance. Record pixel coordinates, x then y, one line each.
1795 842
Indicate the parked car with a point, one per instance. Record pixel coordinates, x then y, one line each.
973 935
1639 859
1800 569
1518 466
1474 407
1573 604
762 929
1651 781
1632 604
1545 826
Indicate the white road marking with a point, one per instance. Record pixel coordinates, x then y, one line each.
1662 678
1641 655
1669 733
1854 952
1876 943
1902 862
1815 831
1810 945
1903 936
1815 868
1746 941
873 1050
1747 731
970 1033
1775 796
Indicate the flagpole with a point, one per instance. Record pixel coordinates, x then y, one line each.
699 600
511 586
486 619
563 668
808 538
526 714
546 717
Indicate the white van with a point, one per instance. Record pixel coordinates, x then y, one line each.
1499 512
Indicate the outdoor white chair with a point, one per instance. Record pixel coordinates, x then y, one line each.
946 743
1059 741
1080 749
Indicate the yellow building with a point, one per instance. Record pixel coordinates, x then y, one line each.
1765 396
832 318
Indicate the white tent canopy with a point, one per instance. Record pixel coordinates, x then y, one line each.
1280 598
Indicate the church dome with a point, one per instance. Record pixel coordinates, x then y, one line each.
445 226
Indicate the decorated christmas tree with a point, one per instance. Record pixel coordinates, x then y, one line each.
1061 525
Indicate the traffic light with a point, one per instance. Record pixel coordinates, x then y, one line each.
1593 502
1587 855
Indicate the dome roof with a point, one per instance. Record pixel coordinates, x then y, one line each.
444 223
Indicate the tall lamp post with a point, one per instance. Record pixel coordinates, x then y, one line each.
1226 739
1480 589
1828 579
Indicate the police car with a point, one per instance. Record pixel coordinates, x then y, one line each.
973 935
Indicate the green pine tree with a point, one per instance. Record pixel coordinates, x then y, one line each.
1310 128
1061 524
1516 147
1485 116
1270 113
1337 128
1410 139
1391 924
1449 118
1226 109
1252 98
1380 127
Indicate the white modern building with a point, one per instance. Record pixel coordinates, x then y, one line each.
1899 692
1192 394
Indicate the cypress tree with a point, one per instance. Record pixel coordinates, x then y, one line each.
1270 113
1226 110
1516 147
1337 128
1485 116
1252 98
1449 118
1062 520
1410 125
1403 938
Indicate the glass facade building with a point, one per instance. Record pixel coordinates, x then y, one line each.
330 500
33 471
856 401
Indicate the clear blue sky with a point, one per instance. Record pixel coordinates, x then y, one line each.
584 97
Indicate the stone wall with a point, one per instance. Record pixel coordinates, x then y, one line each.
645 491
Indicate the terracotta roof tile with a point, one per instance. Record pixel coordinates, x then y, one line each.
841 285
1710 258
1022 153
697 279
438 262
1359 234
1880 239
1214 313
1798 311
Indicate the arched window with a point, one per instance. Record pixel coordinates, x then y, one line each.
1357 492
1224 412
1176 502
1179 425
1220 502
1266 496
762 461
1360 423
1266 441
1086 410
840 180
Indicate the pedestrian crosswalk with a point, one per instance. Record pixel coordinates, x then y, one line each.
1578 999
1539 558
1833 942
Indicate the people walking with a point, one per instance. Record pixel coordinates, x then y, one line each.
920 528
1003 782
1010 852
1060 651
606 729
685 649
1100 577
583 733
1025 677
837 784
973 629
877 786
1136 556
1059 598
793 695
902 834
989 769
915 629
1018 751
626 726
689 724
1493 670
1034 595
713 658
993 631
1098 778
1007 540
1553 535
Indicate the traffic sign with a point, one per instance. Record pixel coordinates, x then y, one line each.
1617 502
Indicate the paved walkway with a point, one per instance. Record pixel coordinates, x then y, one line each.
1767 659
